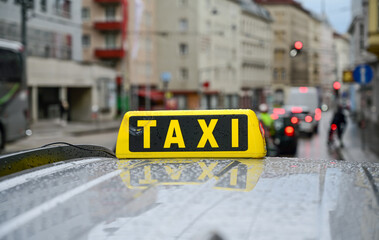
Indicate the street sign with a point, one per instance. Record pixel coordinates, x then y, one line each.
190 134
347 76
363 74
166 77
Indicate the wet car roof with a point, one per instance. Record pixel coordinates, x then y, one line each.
105 198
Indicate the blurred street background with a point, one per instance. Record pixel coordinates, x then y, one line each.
83 64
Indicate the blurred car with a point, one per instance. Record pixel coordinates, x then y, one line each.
101 197
307 120
303 102
286 134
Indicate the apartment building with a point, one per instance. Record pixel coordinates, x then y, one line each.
256 54
54 51
293 23
198 47
121 34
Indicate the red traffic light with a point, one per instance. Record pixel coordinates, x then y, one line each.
336 85
298 45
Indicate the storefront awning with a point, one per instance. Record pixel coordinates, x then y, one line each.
155 95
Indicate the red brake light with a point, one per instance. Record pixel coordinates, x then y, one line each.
308 119
303 89
317 111
318 117
333 127
274 116
296 109
294 120
289 131
279 111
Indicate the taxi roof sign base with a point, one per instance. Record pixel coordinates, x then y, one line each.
190 134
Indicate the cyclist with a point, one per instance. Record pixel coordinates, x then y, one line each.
338 124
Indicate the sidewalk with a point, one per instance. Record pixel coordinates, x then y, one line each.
353 149
74 128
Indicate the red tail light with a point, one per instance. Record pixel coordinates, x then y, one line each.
289 131
303 89
333 127
274 116
279 111
296 109
318 117
318 111
308 119
294 120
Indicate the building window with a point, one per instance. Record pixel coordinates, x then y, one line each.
43 5
283 74
183 3
148 44
183 49
148 70
110 40
208 26
148 19
63 8
183 25
110 13
183 73
86 41
279 55
276 74
182 102
86 14
279 35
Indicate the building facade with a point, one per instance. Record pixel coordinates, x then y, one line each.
121 34
198 47
256 55
54 74
293 23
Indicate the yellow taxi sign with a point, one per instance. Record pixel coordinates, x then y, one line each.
190 134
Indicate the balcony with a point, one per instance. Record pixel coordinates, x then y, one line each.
107 1
106 25
114 53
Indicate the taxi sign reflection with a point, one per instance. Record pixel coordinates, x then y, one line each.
235 175
189 134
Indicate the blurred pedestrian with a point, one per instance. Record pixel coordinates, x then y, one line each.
338 124
266 120
269 130
64 108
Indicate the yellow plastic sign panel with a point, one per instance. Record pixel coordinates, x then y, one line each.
347 76
190 134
